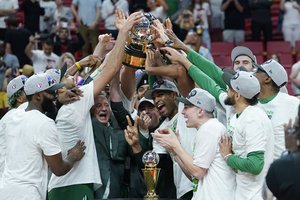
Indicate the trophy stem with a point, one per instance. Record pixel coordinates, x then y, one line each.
151 177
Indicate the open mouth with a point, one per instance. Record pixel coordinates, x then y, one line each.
161 107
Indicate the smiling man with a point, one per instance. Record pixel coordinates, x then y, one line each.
164 93
205 166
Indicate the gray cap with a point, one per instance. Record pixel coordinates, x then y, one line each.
163 85
15 84
41 82
244 83
200 98
275 70
240 51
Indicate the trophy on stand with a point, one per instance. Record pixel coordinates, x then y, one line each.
140 37
151 173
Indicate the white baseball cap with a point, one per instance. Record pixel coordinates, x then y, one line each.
41 82
244 83
15 84
200 98
275 70
55 74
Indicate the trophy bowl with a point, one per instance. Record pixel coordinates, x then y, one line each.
151 174
139 38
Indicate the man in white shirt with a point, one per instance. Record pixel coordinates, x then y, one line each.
33 147
41 59
251 151
280 107
205 167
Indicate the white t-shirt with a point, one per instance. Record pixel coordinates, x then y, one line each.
166 124
219 182
7 5
252 131
25 166
187 138
74 123
280 110
8 121
41 61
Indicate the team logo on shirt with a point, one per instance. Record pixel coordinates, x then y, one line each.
14 86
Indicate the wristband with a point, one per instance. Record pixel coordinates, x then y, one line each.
226 157
79 68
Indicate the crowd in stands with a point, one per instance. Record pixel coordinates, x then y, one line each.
220 108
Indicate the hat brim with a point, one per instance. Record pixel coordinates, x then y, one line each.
184 100
259 67
148 94
56 86
227 78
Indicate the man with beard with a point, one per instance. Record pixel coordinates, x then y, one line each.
33 146
250 152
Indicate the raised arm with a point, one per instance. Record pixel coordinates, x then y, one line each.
113 61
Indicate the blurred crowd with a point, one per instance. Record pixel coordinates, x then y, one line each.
77 117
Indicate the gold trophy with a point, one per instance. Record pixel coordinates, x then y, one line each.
151 173
140 37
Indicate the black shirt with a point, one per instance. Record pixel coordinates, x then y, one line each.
235 20
283 178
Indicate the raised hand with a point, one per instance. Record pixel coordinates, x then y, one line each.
120 18
144 121
150 59
77 152
177 43
127 25
173 55
131 132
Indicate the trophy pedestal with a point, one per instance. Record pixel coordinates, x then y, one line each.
151 177
134 56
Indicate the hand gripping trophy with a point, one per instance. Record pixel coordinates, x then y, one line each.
140 37
151 173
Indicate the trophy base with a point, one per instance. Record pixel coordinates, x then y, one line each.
134 58
151 198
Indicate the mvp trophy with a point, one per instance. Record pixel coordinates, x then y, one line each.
140 37
151 173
